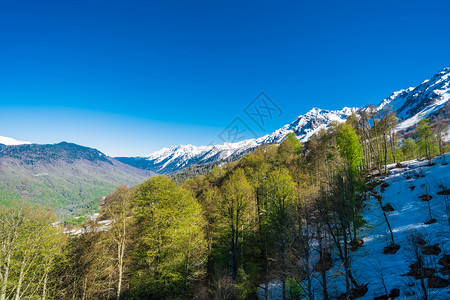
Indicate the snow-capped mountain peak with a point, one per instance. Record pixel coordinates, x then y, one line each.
411 105
178 157
316 119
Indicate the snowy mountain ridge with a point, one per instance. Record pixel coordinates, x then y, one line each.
177 157
430 98
414 104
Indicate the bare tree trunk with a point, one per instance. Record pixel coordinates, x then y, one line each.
234 250
393 146
19 284
120 267
323 272
419 257
344 229
44 287
428 149
12 227
121 255
5 277
447 209
386 219
233 258
84 288
307 254
266 254
385 153
424 288
429 209
346 264
379 159
266 275
283 267
23 270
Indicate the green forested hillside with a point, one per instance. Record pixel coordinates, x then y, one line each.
66 177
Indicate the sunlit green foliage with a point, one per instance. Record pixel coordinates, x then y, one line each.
348 142
409 149
29 249
170 246
425 139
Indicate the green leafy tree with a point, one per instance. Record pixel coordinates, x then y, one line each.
288 151
346 183
118 210
281 202
297 145
237 210
29 248
348 142
441 132
170 242
425 140
409 148
87 272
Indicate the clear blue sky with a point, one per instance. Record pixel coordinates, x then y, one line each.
130 77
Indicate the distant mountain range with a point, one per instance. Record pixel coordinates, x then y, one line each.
67 177
429 99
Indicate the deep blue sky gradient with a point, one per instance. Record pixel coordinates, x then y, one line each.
130 77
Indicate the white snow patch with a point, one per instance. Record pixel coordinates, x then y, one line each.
11 142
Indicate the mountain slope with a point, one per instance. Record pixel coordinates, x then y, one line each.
402 189
67 177
410 216
429 99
